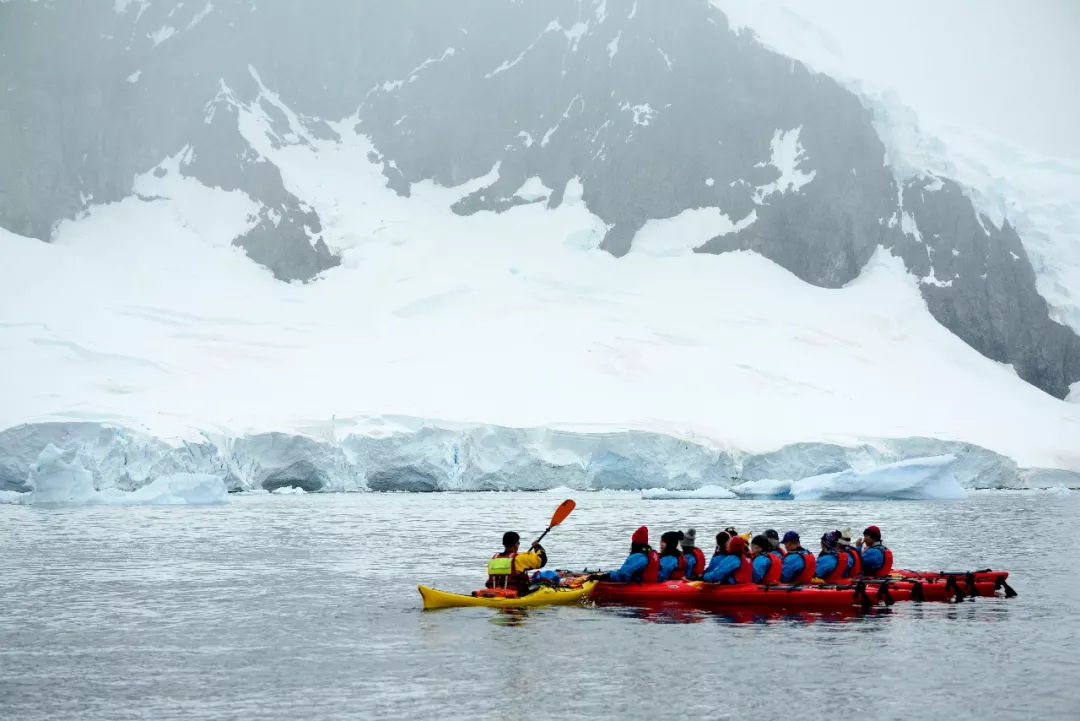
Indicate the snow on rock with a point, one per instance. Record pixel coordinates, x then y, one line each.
689 229
914 479
705 492
787 157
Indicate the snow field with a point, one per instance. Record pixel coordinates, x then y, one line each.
142 313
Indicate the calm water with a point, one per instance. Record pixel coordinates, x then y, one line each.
284 607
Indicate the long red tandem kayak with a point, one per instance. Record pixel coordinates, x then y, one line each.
865 593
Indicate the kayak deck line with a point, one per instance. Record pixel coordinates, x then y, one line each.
545 596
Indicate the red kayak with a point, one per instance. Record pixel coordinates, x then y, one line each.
862 593
967 583
744 595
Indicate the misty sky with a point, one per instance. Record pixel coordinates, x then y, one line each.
1010 68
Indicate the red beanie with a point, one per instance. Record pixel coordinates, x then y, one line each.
641 535
874 532
737 545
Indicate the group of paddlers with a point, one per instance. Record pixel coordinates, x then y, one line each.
737 558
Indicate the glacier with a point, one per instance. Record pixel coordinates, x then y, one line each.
54 481
96 462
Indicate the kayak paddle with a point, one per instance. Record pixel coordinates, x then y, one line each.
558 517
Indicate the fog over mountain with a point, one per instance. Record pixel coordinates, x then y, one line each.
648 130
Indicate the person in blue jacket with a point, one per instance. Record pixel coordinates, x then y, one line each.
722 539
793 560
726 568
760 546
829 557
635 563
873 554
671 558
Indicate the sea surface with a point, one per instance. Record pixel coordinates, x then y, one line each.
305 607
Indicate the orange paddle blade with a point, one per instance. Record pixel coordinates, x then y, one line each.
562 512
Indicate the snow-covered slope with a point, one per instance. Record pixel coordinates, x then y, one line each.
1039 195
513 318
500 232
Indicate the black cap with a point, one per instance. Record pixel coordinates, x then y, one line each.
510 539
771 533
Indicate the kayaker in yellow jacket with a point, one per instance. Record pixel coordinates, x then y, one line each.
510 569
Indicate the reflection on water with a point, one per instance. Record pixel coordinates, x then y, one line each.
306 607
681 613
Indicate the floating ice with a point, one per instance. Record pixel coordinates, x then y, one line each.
289 491
54 481
705 492
765 488
915 479
175 489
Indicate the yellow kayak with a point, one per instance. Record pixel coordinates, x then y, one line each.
545 596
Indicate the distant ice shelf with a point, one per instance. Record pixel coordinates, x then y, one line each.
102 463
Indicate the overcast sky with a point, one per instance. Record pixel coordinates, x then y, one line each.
1010 68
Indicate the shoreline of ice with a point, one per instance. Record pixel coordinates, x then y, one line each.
410 455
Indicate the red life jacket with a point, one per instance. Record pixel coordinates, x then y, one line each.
854 569
518 580
886 563
776 564
652 568
699 561
809 567
745 572
837 574
680 569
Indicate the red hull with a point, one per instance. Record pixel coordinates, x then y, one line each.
862 594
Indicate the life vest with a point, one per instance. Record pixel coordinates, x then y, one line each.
886 561
835 575
809 566
776 565
680 569
699 561
854 568
652 568
502 574
744 573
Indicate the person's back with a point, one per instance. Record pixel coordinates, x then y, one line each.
643 563
695 557
734 567
672 560
509 569
799 564
830 563
762 561
876 558
719 553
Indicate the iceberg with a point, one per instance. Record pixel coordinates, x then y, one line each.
705 492
177 489
56 482
765 488
928 478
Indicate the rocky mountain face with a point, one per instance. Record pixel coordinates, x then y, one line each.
656 108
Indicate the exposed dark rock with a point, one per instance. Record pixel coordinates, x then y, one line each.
643 104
